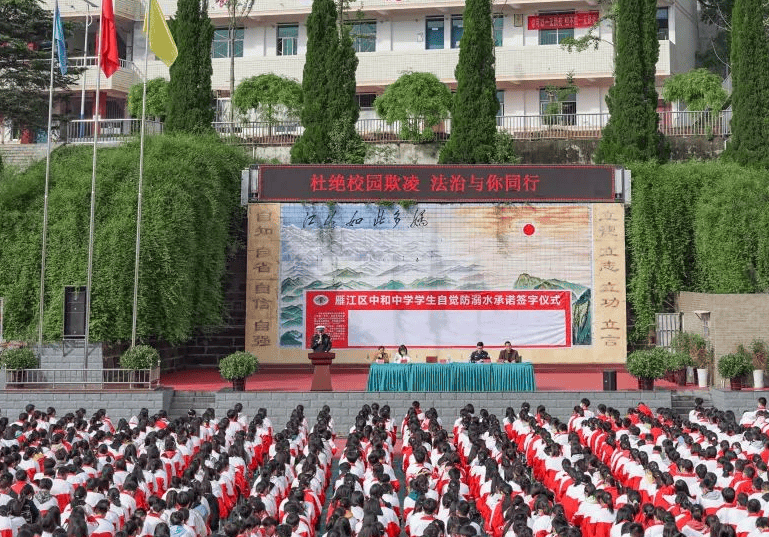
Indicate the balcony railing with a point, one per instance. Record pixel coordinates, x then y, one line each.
80 131
539 127
81 379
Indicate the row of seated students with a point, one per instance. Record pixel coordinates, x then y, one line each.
148 476
601 474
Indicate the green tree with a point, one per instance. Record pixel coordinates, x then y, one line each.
473 114
157 99
632 132
237 10
419 101
271 96
345 143
329 108
24 66
700 89
750 85
189 92
313 146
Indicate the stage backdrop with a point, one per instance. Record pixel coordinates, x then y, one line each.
437 277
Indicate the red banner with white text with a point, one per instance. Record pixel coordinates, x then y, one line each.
436 319
559 21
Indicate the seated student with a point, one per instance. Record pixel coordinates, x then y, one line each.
479 355
509 354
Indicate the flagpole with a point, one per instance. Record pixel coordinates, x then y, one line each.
93 189
47 181
141 181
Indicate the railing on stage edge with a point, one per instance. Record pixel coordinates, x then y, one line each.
80 379
376 130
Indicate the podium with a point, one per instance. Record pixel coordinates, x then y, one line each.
321 371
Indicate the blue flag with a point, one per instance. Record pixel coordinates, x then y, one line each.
59 43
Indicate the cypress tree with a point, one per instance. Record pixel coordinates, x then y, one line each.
473 114
313 146
345 143
750 83
632 130
190 97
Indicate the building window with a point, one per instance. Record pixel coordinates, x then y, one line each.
558 109
288 37
501 101
434 33
363 35
366 100
457 29
556 35
220 48
662 24
498 22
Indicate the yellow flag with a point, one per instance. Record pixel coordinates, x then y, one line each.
160 38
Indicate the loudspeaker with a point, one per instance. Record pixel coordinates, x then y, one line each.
610 381
74 311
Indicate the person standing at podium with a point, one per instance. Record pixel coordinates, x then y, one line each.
321 341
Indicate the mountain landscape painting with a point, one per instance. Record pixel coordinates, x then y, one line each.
367 246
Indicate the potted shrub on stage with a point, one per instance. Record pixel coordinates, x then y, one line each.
700 352
17 360
647 365
138 359
733 367
236 367
677 362
759 352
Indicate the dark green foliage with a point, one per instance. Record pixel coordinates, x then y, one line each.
191 196
322 42
26 75
632 133
190 99
270 96
695 227
157 99
140 357
419 101
19 358
473 114
750 83
346 144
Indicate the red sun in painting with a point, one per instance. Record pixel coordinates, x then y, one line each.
529 230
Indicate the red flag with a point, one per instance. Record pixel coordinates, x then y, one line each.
108 38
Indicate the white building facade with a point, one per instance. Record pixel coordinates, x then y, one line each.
393 37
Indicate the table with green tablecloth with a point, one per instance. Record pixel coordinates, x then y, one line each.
453 377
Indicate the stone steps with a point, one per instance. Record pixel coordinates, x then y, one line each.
682 401
183 401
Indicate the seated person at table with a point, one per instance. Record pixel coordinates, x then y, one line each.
381 356
402 356
479 356
509 354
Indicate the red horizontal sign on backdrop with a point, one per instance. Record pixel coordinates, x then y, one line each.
558 21
436 183
423 317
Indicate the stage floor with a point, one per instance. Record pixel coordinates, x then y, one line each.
552 378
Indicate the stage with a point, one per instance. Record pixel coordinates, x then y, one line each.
271 378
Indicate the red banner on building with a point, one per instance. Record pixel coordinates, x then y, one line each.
435 319
558 21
